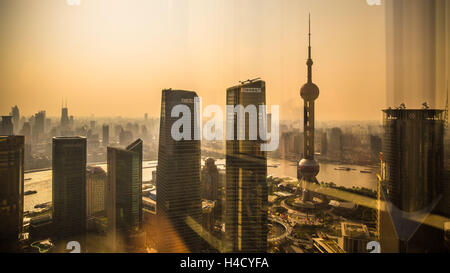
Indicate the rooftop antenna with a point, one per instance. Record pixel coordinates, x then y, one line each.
309 62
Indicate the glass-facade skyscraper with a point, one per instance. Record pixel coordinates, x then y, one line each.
178 204
69 186
11 191
246 171
124 193
412 181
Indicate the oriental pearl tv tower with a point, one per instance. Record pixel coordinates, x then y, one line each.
308 168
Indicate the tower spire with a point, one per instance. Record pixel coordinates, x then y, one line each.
310 61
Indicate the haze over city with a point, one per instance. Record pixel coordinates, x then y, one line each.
111 58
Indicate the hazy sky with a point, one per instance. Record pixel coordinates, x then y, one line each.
113 57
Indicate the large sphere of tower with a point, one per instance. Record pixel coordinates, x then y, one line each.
308 168
309 91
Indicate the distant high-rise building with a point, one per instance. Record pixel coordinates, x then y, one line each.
178 205
48 124
16 117
308 168
324 144
6 127
210 180
105 140
26 131
38 126
11 191
65 122
69 186
246 206
335 147
124 193
95 190
412 181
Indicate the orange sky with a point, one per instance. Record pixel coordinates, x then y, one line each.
113 57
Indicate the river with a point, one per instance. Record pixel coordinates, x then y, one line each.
41 181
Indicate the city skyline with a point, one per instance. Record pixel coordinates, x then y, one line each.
329 177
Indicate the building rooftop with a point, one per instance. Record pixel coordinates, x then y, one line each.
354 230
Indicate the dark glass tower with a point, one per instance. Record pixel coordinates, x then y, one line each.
246 171
105 138
11 191
124 193
308 168
6 126
178 205
412 181
69 186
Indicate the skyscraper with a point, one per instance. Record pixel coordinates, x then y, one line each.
16 117
11 191
105 139
308 168
64 118
6 127
69 186
178 204
210 180
412 181
38 126
95 190
124 194
246 172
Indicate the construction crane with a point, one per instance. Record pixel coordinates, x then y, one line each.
249 81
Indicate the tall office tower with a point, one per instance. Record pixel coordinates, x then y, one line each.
335 147
308 168
11 191
417 46
124 194
210 180
65 123
7 127
178 199
16 117
26 131
95 190
412 181
211 203
39 126
69 186
246 172
105 139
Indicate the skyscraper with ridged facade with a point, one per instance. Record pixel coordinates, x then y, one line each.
246 172
178 198
11 191
69 186
124 194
